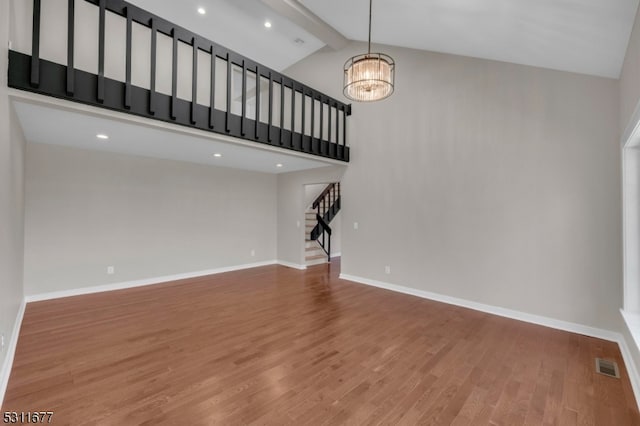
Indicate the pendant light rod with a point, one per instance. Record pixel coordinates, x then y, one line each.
369 76
370 7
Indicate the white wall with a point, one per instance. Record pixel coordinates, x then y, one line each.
630 76
87 210
311 192
291 208
486 181
11 206
629 96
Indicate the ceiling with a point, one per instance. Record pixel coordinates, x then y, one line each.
239 26
49 125
583 36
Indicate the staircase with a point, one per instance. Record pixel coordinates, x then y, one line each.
317 229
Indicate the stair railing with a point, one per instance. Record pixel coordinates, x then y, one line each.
326 230
327 206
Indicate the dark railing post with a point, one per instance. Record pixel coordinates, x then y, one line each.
212 89
227 128
313 121
293 114
154 55
101 30
304 104
194 80
35 45
127 84
337 127
174 74
329 129
270 107
321 125
243 98
70 46
257 116
281 110
344 131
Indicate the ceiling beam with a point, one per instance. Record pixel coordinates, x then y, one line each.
303 17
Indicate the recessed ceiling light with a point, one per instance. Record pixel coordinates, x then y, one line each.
267 24
102 136
279 165
202 11
217 155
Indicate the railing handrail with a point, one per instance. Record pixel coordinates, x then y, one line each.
325 228
144 17
324 225
323 194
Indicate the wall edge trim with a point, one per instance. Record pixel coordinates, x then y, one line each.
11 352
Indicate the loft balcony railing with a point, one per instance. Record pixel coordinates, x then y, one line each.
111 54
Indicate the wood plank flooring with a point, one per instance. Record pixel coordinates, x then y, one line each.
277 346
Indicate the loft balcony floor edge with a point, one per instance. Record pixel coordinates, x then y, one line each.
18 97
177 111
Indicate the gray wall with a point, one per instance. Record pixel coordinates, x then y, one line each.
291 208
87 210
629 97
11 200
487 181
630 76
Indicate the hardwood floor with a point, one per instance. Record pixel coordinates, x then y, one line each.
276 346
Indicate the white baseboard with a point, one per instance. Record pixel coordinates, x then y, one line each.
142 282
292 265
634 378
496 310
11 352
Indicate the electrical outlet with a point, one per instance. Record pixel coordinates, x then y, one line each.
253 253
111 270
387 269
355 225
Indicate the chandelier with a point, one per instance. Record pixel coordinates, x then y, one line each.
369 77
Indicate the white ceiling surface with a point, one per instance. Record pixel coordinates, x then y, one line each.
239 26
49 125
583 36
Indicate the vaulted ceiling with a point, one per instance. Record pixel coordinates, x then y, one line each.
583 36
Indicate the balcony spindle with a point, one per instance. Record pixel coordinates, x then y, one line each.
244 98
212 89
270 107
70 46
194 81
154 56
257 115
174 74
101 30
281 110
127 87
